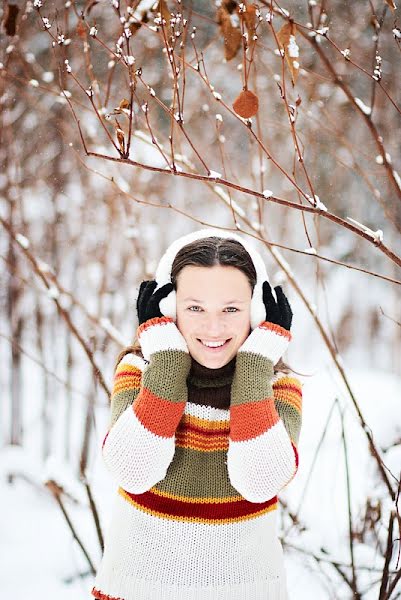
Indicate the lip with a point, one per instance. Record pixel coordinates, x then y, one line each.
214 350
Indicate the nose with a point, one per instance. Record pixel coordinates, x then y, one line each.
214 326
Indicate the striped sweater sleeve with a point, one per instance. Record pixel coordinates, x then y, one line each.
148 400
265 422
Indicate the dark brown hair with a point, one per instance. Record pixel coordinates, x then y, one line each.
209 252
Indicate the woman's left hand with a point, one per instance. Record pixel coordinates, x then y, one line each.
277 312
272 336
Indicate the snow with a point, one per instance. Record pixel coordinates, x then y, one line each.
376 235
214 175
293 49
22 240
365 109
397 178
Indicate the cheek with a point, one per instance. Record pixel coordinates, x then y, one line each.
183 322
244 328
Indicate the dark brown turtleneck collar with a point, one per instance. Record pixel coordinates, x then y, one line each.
210 387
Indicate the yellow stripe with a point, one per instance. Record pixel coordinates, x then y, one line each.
195 499
205 423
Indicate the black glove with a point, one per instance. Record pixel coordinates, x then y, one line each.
277 312
147 304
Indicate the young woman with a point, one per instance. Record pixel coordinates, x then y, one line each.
205 422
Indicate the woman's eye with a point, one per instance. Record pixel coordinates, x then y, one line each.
229 309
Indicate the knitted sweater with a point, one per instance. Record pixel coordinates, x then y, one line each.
195 516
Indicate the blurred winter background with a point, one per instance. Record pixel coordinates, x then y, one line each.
118 133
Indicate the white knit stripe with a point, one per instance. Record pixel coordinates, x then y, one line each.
163 336
260 467
267 343
207 412
135 456
134 360
169 559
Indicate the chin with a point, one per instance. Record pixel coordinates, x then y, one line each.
213 363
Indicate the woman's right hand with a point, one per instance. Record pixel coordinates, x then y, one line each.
147 304
156 332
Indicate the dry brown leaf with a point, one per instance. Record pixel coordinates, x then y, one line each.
81 29
10 18
231 35
283 36
249 18
123 108
120 139
246 104
124 104
391 4
135 27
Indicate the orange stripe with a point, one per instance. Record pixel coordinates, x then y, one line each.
289 390
218 426
152 322
128 384
252 419
158 415
276 329
288 384
206 447
192 435
295 402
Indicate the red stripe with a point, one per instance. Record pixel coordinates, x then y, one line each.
133 373
100 596
296 454
287 386
199 510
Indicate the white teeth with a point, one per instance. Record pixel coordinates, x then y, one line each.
213 344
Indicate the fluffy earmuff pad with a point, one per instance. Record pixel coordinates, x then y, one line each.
168 305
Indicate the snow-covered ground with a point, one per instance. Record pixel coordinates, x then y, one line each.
41 560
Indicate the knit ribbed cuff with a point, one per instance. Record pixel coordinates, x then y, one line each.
159 334
269 340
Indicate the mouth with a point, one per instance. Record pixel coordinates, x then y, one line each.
214 347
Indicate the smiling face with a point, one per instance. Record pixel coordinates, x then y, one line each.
213 307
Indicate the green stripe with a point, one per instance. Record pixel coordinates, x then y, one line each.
166 375
291 418
252 380
120 402
195 473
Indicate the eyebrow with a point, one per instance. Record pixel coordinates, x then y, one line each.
228 301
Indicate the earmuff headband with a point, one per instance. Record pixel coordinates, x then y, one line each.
168 305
